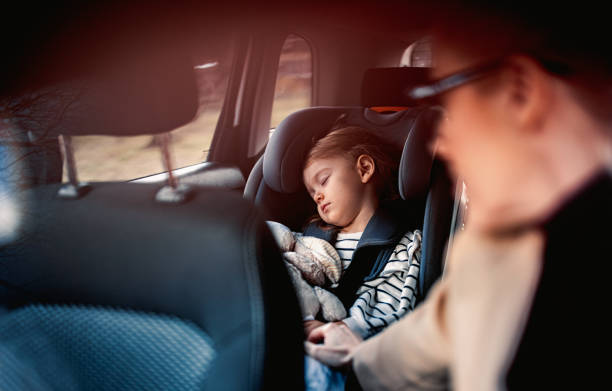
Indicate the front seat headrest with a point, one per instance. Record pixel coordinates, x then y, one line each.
417 155
128 92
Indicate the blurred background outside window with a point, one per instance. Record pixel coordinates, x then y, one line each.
293 89
102 158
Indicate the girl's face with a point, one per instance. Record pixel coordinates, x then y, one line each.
341 191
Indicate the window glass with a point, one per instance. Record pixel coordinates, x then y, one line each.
101 158
418 54
293 89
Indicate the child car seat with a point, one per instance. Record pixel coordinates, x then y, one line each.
275 182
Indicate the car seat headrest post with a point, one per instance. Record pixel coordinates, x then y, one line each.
73 189
70 163
164 146
173 192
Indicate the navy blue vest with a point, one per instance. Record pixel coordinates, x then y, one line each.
383 232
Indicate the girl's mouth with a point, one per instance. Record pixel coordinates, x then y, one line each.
325 207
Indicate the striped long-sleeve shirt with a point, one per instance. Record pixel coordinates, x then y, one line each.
392 294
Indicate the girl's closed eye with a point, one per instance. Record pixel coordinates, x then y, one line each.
324 180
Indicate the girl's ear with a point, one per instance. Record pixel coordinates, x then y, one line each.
365 167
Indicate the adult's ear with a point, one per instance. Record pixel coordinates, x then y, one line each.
530 93
365 167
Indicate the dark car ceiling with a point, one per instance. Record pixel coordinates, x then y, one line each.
49 40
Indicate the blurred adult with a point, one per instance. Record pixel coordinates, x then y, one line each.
527 91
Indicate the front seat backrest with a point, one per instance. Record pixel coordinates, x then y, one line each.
105 287
114 291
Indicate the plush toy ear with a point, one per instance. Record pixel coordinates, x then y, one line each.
282 235
331 307
311 271
365 167
309 302
322 253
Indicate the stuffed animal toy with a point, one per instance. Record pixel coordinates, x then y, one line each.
313 264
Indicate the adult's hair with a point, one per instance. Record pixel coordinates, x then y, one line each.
569 40
354 141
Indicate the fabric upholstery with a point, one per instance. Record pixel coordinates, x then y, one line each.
279 190
254 181
286 151
152 93
210 262
103 349
275 183
281 194
415 165
436 226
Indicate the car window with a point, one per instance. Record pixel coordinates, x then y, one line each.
293 89
417 54
109 158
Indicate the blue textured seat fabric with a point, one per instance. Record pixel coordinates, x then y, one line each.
91 348
209 267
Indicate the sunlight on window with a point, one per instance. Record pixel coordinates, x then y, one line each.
9 216
418 54
108 158
294 80
207 65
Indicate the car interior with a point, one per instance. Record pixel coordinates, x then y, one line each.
170 279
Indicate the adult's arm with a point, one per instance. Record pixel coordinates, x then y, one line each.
468 327
411 354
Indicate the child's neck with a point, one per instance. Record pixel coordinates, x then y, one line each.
362 219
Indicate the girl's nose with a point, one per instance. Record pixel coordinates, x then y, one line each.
318 197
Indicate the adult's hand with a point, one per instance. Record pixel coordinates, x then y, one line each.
332 344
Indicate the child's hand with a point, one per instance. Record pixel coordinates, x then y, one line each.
319 335
310 325
339 342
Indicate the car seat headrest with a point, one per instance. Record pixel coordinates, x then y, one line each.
116 92
417 155
291 141
384 87
112 90
410 130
